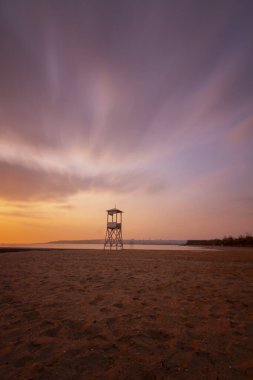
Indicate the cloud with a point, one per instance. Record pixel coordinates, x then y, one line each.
98 80
24 214
118 96
242 133
19 183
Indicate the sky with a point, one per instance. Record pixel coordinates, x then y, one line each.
146 105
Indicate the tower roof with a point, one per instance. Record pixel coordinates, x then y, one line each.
114 211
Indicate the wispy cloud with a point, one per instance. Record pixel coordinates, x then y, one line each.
20 183
242 133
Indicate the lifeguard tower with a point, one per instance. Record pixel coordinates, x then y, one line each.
113 237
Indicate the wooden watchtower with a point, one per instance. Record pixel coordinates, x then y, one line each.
113 237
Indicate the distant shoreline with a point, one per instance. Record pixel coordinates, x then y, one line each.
127 241
241 241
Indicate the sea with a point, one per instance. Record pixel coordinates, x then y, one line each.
167 247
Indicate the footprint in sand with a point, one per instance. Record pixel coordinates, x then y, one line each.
111 322
118 305
46 324
51 332
96 300
151 316
92 363
159 335
104 310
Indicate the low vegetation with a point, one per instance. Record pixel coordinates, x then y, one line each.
241 241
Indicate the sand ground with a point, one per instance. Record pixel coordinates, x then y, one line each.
126 315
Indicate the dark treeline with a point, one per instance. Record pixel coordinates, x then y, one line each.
241 241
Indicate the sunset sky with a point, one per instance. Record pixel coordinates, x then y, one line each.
146 105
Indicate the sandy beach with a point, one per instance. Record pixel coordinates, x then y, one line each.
126 315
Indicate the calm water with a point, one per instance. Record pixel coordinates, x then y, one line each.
101 246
